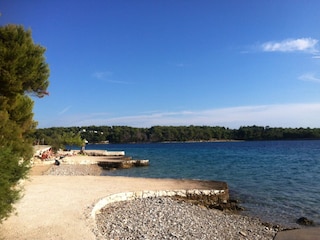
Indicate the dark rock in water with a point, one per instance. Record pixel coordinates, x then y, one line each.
212 202
304 221
231 205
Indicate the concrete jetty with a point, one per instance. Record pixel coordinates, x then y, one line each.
122 163
111 159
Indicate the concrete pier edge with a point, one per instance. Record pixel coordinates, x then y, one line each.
127 196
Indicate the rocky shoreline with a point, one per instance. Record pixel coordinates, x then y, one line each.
167 218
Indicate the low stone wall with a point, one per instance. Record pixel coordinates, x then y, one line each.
218 196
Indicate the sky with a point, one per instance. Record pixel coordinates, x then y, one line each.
176 63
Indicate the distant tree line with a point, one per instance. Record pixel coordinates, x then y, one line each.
125 134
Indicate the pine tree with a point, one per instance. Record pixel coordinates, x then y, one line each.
23 73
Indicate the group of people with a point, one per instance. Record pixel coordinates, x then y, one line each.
47 154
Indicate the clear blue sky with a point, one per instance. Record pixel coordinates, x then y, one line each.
145 63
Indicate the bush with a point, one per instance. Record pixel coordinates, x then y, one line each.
12 169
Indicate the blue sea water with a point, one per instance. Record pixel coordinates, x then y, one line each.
277 181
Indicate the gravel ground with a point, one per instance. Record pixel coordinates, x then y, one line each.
165 218
74 170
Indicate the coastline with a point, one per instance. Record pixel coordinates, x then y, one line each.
58 204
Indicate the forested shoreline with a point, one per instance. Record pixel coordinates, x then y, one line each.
126 134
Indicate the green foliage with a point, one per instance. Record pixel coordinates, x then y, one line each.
125 134
22 63
23 73
11 171
60 141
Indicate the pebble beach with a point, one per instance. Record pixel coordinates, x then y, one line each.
167 218
74 170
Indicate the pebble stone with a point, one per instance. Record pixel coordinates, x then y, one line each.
166 218
74 170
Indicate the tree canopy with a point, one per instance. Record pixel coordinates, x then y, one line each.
23 73
125 134
22 64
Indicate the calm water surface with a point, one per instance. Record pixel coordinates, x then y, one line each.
278 181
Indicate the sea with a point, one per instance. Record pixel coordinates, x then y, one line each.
276 181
